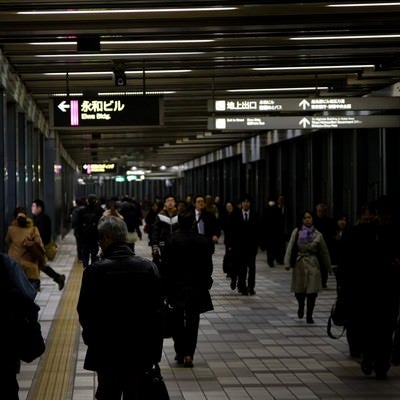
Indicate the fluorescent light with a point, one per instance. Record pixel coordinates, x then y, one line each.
110 42
313 67
161 71
346 37
66 94
288 89
128 11
364 5
81 55
140 93
78 73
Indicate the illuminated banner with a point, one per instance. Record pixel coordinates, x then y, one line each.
304 122
107 111
99 168
241 105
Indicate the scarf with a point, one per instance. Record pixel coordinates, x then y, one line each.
306 235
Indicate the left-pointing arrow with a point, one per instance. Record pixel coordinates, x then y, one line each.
63 106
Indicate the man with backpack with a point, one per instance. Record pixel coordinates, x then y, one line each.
86 230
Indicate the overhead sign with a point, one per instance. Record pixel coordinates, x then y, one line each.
304 122
241 105
107 111
99 168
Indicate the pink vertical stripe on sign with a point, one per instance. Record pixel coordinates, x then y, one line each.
74 113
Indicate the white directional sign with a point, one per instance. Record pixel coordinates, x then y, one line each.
241 105
304 122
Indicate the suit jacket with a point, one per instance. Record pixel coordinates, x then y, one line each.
211 226
246 235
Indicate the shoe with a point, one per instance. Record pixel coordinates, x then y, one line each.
233 284
188 361
310 320
61 282
251 291
243 292
179 359
366 367
300 312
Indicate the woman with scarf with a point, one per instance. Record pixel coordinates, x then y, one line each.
306 255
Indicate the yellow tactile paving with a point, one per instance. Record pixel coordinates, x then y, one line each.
56 370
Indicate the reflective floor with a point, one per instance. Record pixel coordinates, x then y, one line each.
249 347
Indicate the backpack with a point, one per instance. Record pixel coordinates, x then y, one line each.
88 220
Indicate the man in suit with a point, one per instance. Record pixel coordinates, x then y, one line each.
205 222
246 237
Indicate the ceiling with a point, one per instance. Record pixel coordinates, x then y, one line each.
230 41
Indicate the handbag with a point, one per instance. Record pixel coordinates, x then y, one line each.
36 251
157 387
28 334
338 316
170 316
132 237
50 250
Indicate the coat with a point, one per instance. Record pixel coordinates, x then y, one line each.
17 294
119 310
187 271
311 257
15 239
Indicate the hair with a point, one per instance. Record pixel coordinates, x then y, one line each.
169 196
300 223
21 221
19 210
114 228
39 203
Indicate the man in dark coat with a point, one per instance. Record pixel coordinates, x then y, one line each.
17 296
86 230
43 223
119 310
187 270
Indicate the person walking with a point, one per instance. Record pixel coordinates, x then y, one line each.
245 242
17 295
119 310
187 273
166 222
22 233
43 223
306 255
86 230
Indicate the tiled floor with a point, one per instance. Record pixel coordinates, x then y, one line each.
250 348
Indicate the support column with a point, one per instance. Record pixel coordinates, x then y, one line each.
21 149
3 122
10 159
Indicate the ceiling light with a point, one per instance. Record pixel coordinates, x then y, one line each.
288 89
111 42
66 94
364 4
139 93
128 11
80 55
161 71
346 37
313 67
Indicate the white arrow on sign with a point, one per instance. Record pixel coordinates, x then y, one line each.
304 104
63 106
304 122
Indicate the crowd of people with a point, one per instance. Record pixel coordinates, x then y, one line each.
182 235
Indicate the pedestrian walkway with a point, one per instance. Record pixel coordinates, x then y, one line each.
249 348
